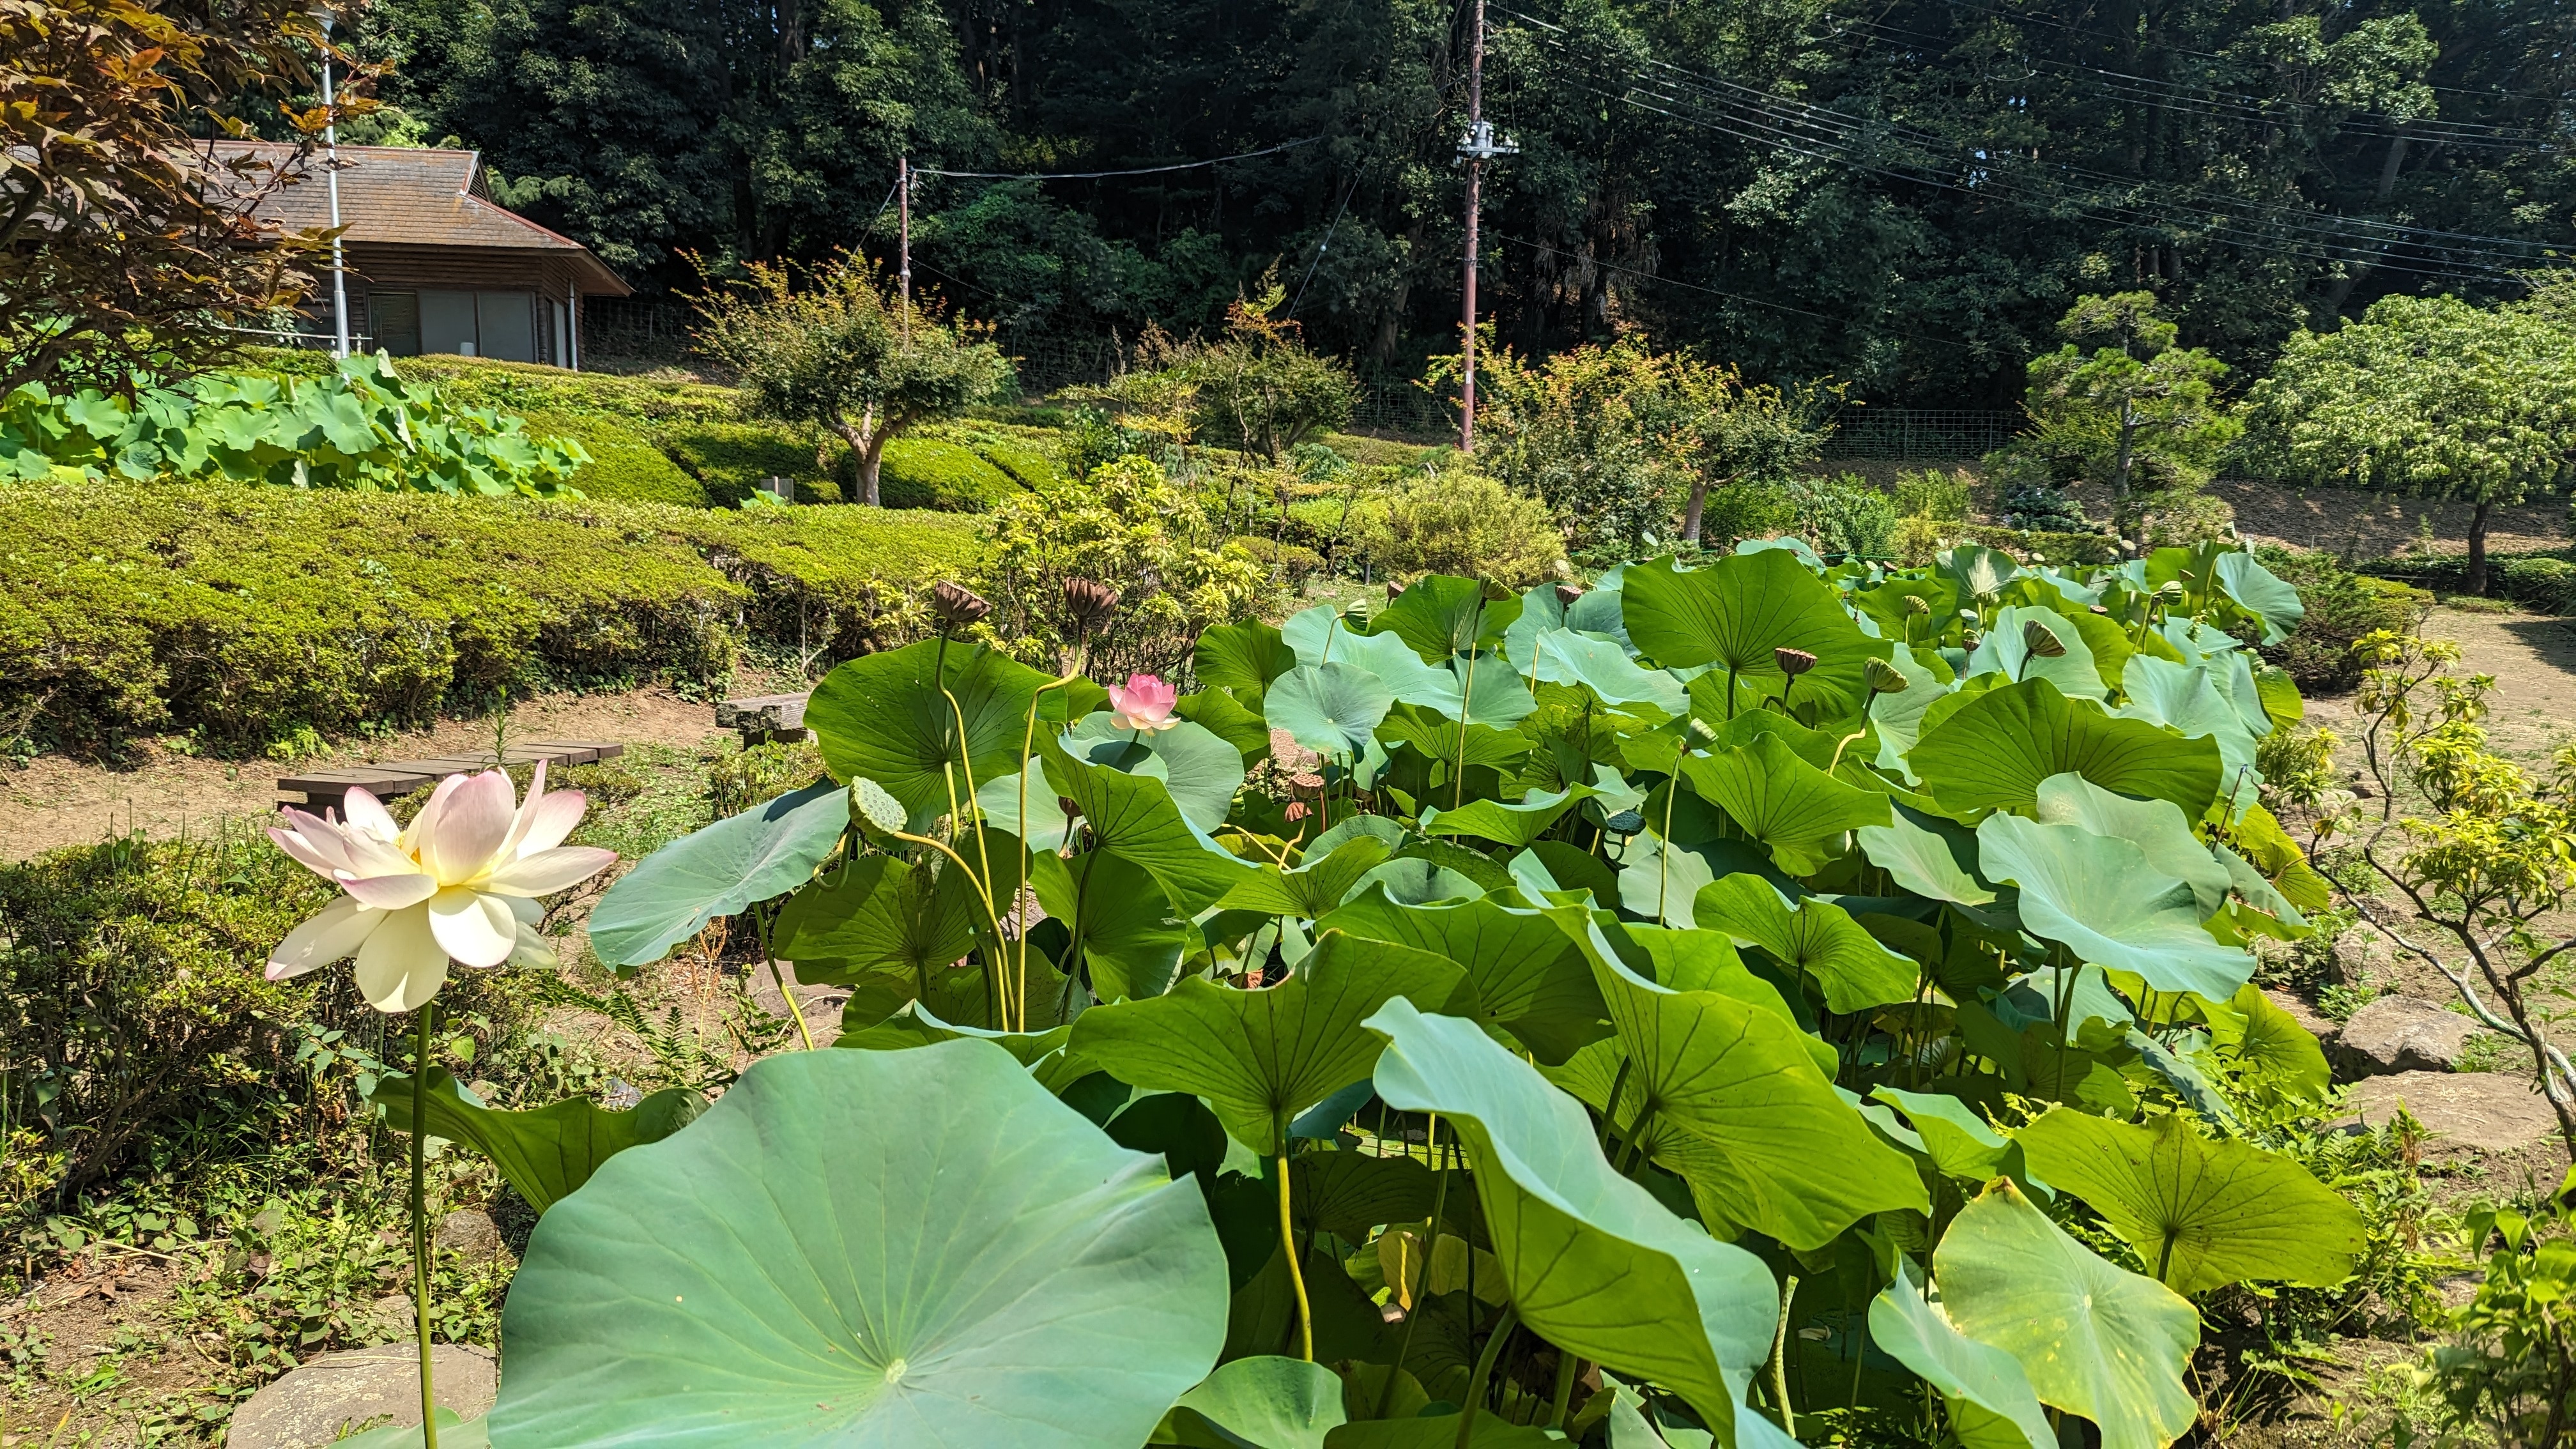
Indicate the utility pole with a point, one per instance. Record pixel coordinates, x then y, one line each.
903 231
331 144
1478 147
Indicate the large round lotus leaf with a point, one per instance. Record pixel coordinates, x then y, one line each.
2201 1213
1527 965
918 1248
1134 817
721 870
1330 708
1779 799
1814 936
1593 1262
2156 827
2192 699
1993 752
2092 1338
2006 648
1561 656
2262 593
1733 614
1913 1330
1242 659
2099 898
1440 615
1265 1401
884 717
1201 770
2268 1044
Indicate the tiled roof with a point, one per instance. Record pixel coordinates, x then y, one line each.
414 196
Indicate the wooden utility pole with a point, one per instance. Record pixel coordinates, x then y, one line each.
903 232
1478 147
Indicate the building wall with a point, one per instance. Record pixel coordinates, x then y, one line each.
513 305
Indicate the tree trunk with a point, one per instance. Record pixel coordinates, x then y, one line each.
2476 582
870 459
1698 506
867 448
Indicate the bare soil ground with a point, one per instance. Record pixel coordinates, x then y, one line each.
2363 525
159 790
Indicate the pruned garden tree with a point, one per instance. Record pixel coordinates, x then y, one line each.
1260 389
839 353
129 241
2429 397
2127 407
1733 431
1598 431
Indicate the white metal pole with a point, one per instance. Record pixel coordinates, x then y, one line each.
339 257
572 323
903 230
1477 147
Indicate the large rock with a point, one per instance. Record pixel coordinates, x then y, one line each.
470 1234
2491 1111
319 1404
2402 1034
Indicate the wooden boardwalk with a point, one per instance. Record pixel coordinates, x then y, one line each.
320 789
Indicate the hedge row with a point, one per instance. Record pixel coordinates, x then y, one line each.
2544 582
242 614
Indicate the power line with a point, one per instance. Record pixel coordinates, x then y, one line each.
1544 249
1132 171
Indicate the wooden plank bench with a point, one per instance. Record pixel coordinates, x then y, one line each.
327 788
764 718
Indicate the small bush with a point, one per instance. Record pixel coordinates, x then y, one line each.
729 460
1288 563
2543 583
927 473
1469 525
1845 515
2055 548
1747 510
1935 495
2342 607
626 465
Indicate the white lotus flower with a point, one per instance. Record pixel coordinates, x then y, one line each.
460 884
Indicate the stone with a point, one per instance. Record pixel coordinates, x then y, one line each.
319 1404
470 1234
2362 954
391 1318
2297 1009
2402 1034
2490 1111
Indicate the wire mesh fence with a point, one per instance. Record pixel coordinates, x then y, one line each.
651 330
1922 432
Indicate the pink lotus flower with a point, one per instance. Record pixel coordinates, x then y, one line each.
460 884
1144 704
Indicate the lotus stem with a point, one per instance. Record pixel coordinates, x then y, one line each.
1610 1109
1780 1359
1672 791
1028 746
1843 744
1466 707
1564 1397
1430 1238
1288 1246
1503 1327
763 923
420 1057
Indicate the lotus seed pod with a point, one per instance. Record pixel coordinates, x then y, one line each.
956 605
1793 662
1626 822
1917 604
1091 603
1883 677
2039 642
1700 733
1566 594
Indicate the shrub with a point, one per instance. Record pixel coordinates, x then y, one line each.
244 614
1291 564
1845 515
1469 525
523 387
626 465
926 473
1933 494
729 459
2544 583
2055 548
2342 606
1747 510
1130 527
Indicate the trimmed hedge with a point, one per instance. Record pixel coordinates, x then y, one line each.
243 614
930 473
626 465
2543 582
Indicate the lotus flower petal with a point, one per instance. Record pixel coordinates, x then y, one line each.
427 820
476 929
362 812
402 965
470 830
326 863
546 821
1145 702
340 929
548 871
532 948
527 808
390 892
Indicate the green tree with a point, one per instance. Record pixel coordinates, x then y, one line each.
1259 389
841 354
1734 431
1599 432
2427 396
2135 413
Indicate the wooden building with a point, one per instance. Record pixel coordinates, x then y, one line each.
435 265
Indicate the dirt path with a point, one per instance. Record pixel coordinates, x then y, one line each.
54 802
2533 658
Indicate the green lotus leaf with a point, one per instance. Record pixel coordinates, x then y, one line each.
916 1025
2261 593
2005 649
1780 1151
1265 1402
1320 638
2092 1339
721 870
548 1152
1230 720
1332 709
1527 966
1733 613
1782 801
2156 827
1898 717
1132 937
2099 898
2188 698
1928 856
1506 824
884 717
2202 1213
1660 884
1352 1194
1241 659
1561 656
1414 881
1489 692
1555 865
1593 1263
878 914
453 1433
1440 616
1913 1330
1314 887
2262 1040
1813 936
1978 572
1995 750
1696 960
2259 908
1959 1141
1440 1431
1261 1057
1201 770
868 1291
1133 817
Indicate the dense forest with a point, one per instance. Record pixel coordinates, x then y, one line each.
1904 195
